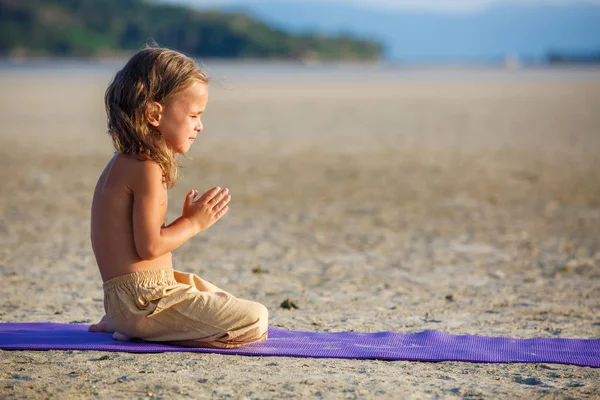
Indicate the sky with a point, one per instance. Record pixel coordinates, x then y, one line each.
426 30
450 6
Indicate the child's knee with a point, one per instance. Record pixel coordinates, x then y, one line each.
260 314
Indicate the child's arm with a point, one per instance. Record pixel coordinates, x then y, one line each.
152 240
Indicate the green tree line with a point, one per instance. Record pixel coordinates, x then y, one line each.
100 27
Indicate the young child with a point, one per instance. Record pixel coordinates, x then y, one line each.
154 106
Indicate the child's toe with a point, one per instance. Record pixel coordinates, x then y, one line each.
121 337
101 326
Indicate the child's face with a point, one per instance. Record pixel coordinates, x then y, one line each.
179 120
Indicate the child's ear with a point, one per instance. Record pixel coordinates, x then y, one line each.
153 113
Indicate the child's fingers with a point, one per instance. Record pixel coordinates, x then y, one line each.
222 203
189 198
219 197
222 212
209 194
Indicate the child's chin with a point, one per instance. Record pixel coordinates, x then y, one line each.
183 150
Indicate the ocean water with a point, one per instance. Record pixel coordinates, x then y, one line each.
220 70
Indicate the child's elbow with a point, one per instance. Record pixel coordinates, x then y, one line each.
148 252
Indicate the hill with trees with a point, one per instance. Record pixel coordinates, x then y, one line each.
84 28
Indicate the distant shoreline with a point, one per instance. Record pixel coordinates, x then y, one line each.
450 63
399 64
271 72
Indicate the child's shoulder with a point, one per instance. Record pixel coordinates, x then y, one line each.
135 170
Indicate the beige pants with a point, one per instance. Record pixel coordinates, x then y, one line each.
180 308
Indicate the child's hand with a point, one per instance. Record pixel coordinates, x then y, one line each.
207 209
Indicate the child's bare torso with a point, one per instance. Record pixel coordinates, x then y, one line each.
111 223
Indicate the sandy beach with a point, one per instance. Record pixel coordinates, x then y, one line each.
465 202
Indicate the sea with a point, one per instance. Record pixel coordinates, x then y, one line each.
302 71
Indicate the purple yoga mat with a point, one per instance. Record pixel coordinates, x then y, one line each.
422 346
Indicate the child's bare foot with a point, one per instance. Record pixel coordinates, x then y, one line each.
121 337
101 326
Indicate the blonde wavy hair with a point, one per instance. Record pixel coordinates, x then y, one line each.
153 74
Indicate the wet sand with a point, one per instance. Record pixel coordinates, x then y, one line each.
470 206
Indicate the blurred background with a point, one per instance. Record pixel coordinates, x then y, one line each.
405 31
394 165
412 151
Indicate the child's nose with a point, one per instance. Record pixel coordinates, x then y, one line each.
199 127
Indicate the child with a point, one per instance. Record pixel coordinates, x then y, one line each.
154 105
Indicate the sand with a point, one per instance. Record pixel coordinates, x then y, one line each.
462 201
